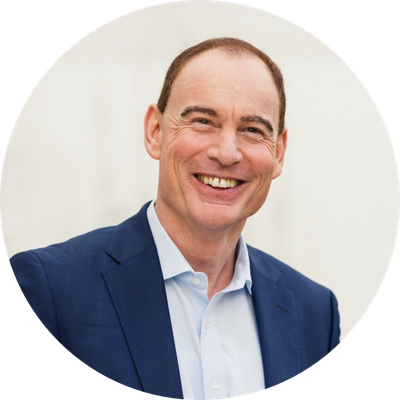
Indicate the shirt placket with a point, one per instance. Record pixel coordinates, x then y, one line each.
213 367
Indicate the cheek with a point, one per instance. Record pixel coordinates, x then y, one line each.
177 154
262 160
184 145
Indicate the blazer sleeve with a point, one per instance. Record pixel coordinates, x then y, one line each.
32 279
335 333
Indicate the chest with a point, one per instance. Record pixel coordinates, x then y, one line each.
216 340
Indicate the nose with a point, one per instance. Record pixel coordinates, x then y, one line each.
225 149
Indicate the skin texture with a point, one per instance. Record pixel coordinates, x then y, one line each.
221 121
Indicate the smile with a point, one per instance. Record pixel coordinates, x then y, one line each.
218 182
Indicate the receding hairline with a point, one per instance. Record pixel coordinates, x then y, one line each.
242 54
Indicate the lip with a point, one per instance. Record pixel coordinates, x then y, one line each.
220 195
219 176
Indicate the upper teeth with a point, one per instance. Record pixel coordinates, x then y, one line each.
217 182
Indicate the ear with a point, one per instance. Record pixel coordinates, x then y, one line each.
152 131
281 143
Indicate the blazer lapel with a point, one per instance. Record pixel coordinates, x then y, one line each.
278 328
136 286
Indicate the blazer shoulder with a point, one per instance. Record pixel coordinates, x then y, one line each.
93 251
60 274
283 274
84 245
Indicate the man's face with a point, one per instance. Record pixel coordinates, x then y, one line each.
217 141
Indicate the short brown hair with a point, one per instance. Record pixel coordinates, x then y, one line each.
232 46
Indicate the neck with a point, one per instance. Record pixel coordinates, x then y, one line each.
207 249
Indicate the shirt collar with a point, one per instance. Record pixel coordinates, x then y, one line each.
173 263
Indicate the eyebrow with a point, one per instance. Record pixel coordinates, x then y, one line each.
213 113
208 111
258 119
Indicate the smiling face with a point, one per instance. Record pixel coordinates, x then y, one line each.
217 141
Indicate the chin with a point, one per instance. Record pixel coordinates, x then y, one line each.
217 216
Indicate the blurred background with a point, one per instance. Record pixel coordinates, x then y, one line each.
76 160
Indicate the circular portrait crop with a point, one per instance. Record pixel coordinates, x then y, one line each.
197 210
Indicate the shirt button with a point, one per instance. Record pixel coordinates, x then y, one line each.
207 326
215 385
196 281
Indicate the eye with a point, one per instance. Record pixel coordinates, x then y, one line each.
202 121
253 130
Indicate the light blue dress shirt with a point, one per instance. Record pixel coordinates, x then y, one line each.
216 340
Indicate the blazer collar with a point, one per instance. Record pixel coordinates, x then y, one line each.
135 282
277 320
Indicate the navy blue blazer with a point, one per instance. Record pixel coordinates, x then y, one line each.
102 296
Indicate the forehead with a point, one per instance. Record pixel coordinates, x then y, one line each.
228 81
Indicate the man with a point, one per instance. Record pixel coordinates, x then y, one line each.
172 301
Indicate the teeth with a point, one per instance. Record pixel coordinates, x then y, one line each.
219 183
